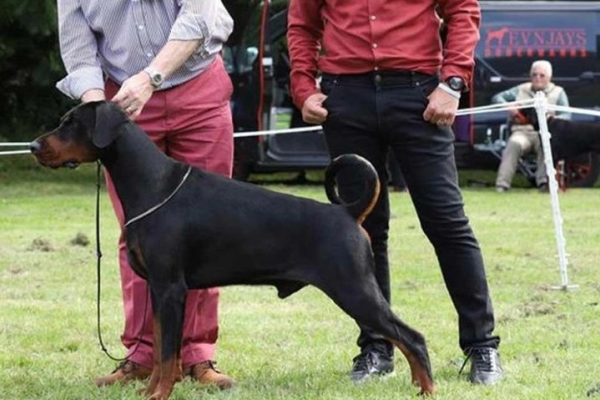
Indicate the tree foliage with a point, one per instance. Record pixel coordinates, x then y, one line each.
30 65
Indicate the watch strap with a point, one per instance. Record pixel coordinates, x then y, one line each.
444 86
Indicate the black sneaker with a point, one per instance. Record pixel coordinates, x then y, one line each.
485 366
371 363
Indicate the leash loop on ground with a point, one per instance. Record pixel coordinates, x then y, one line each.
99 275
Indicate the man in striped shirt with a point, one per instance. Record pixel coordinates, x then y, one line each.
160 61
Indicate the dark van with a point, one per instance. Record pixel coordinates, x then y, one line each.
513 35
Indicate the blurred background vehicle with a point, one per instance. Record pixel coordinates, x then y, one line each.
513 34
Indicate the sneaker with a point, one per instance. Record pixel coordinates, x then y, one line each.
371 363
543 188
485 366
206 373
126 372
501 189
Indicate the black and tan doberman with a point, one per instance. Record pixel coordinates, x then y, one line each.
214 231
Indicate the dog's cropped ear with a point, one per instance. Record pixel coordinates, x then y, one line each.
109 123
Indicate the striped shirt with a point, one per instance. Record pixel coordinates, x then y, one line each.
119 38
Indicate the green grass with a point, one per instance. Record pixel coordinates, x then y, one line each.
301 347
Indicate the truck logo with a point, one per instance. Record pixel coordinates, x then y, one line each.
535 42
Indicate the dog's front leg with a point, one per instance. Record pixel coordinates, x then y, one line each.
155 376
168 313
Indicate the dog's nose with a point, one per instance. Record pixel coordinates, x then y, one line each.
35 146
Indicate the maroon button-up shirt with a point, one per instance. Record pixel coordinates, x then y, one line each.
352 37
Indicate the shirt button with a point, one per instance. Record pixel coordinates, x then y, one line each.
373 17
149 54
374 45
141 27
376 68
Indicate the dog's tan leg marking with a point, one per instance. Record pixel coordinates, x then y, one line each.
170 374
419 375
165 373
156 372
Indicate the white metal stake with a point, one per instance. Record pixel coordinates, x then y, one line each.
541 107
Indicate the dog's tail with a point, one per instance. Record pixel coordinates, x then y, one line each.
361 207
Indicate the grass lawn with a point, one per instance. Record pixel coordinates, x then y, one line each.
301 347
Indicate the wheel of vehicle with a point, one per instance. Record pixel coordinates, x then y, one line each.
582 171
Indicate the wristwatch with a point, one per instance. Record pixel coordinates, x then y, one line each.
456 83
156 78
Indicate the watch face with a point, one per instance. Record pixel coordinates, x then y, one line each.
456 83
156 78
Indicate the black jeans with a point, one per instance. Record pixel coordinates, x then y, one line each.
369 114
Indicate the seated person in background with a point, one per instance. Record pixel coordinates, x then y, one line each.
524 138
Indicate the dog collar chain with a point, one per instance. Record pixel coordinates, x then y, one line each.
156 207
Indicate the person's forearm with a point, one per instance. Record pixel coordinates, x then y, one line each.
93 95
506 96
173 55
137 89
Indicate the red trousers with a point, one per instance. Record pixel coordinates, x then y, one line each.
191 123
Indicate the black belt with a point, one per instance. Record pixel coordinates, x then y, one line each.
381 78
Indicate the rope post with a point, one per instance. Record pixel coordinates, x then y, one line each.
541 107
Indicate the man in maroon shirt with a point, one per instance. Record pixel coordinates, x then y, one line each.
387 83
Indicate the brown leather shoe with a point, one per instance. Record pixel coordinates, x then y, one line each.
126 372
206 373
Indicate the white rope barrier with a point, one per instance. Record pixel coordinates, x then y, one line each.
541 106
14 144
496 107
540 103
14 152
278 131
466 111
553 107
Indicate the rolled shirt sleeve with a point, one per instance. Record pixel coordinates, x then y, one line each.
80 81
205 20
79 51
463 19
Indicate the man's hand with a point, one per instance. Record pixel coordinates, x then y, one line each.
313 111
134 94
441 109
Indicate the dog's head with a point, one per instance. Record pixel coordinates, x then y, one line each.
83 133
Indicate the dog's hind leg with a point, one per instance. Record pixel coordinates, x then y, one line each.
168 302
361 298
